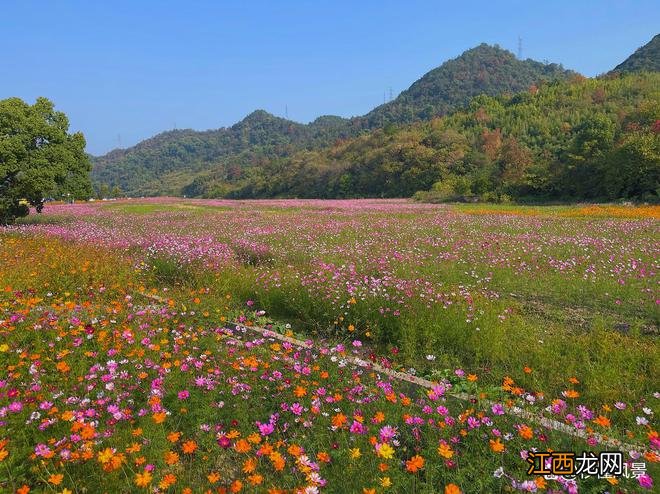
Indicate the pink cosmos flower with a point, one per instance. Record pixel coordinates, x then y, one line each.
645 481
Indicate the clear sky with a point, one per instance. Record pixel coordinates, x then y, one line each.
126 70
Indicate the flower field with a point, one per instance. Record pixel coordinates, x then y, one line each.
129 362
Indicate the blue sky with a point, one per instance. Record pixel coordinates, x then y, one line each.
126 70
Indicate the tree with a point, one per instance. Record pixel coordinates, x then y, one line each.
38 158
515 159
633 169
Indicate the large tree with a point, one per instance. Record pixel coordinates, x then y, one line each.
38 158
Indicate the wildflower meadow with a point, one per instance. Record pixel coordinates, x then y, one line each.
304 346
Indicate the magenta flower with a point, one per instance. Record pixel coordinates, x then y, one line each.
645 481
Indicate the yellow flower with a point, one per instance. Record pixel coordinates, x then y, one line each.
445 450
106 455
355 453
385 451
385 482
4 348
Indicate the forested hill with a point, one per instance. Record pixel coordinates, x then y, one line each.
168 162
484 69
595 139
646 58
211 162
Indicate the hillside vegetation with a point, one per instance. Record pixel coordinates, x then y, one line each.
210 163
587 138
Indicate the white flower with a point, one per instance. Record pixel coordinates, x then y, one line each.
498 473
430 357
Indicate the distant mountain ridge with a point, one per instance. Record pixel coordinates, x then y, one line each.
177 162
645 58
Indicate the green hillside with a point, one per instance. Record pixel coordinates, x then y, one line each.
586 138
211 162
646 58
484 69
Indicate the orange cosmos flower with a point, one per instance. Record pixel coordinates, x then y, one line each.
339 420
189 447
159 417
497 446
452 489
250 465
87 432
255 479
294 450
168 481
277 460
323 457
602 421
242 446
526 432
414 464
254 438
171 458
63 367
134 448
143 479
173 436
56 479
213 477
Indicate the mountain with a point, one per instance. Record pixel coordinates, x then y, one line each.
208 163
583 139
168 162
484 69
646 58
